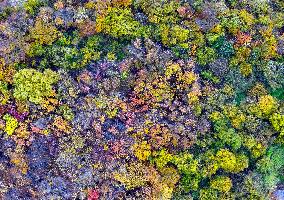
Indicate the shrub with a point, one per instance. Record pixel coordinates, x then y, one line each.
253 187
256 148
67 57
223 47
230 137
98 46
241 56
185 163
210 164
67 112
4 14
259 6
227 160
274 74
242 163
208 75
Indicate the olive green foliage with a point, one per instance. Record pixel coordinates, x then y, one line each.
277 121
186 165
206 74
230 137
174 35
32 6
65 57
103 46
208 194
44 33
178 99
253 187
4 93
6 13
272 166
158 11
72 52
64 53
223 47
132 177
119 22
34 86
236 20
205 55
67 112
221 183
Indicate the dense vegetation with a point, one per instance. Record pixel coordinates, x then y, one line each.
141 99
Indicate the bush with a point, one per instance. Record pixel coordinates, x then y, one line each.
6 71
230 137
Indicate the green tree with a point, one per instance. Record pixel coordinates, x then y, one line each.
34 86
